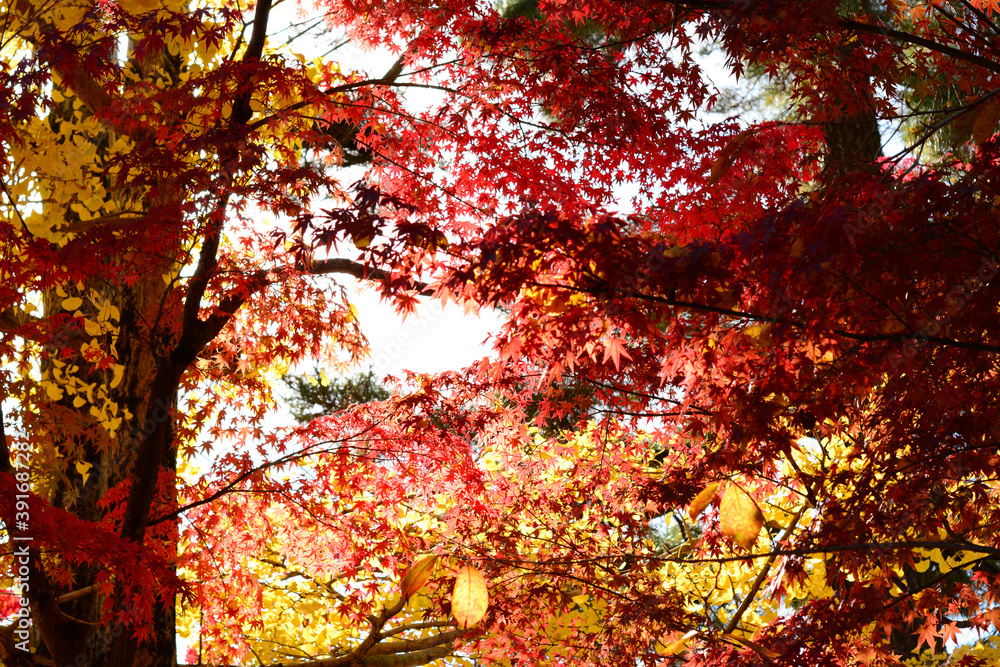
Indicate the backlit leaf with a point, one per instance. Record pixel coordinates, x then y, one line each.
417 576
677 646
702 500
470 598
740 517
985 123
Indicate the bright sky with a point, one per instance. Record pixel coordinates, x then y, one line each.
433 339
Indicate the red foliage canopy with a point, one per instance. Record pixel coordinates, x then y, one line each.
776 306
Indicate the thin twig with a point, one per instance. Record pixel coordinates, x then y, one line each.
762 575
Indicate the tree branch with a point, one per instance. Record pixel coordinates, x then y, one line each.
739 314
261 279
241 107
413 645
357 656
748 599
801 551
207 260
246 474
929 44
387 79
210 245
407 659
397 660
413 659
361 272
956 112
423 625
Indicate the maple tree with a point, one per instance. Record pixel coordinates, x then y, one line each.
779 346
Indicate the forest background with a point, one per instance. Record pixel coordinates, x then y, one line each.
741 408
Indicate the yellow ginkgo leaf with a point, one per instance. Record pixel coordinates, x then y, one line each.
118 371
72 303
83 468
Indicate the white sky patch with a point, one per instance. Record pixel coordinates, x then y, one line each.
435 338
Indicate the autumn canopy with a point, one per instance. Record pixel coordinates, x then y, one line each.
744 408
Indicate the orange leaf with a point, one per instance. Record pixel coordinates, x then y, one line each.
614 350
680 644
986 122
739 516
417 576
702 500
469 599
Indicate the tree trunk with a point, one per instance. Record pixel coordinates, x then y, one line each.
853 142
94 433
